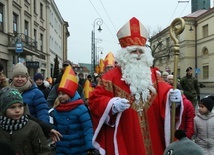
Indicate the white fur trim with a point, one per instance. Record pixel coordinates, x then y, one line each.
167 121
101 122
115 133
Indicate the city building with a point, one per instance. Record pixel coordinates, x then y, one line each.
32 32
195 43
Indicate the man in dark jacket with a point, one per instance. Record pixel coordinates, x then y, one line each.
190 87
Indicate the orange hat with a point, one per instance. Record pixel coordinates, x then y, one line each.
132 33
68 83
97 69
109 60
101 65
88 89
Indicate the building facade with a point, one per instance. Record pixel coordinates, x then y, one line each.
32 32
196 47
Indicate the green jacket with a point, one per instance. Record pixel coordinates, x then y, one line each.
29 140
190 87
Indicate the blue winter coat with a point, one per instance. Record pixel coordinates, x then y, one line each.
37 103
76 128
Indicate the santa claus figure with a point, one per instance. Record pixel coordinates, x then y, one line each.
128 107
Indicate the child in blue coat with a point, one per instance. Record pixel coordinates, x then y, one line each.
72 119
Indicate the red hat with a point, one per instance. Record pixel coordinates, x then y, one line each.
68 83
132 33
109 59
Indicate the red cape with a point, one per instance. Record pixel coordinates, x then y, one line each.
131 137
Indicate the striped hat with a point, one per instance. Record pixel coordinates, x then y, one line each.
68 83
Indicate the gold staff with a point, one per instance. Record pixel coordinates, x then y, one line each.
177 26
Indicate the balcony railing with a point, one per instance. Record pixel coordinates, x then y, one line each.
27 42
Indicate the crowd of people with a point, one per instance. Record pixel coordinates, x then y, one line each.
124 110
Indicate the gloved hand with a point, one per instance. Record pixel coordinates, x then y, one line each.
93 152
175 95
120 105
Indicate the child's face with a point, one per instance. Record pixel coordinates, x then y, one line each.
63 97
202 109
15 111
39 82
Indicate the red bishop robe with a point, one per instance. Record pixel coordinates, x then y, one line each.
138 130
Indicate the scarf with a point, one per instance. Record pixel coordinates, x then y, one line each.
9 124
23 88
69 106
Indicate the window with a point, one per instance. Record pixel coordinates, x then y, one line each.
35 34
1 17
205 30
35 37
34 6
41 10
205 72
205 51
26 30
167 42
15 23
41 42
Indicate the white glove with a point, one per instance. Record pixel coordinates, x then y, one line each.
175 95
120 105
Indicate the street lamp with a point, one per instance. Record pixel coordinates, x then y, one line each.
99 22
99 50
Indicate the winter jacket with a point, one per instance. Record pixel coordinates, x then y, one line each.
76 128
187 123
44 90
28 140
37 103
204 132
191 88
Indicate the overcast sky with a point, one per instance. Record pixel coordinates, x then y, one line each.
81 14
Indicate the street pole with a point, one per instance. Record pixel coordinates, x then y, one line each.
99 22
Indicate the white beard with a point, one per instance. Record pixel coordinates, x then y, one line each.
137 73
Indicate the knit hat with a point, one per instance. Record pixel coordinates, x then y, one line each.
183 146
19 69
165 73
66 63
188 69
38 76
208 102
9 96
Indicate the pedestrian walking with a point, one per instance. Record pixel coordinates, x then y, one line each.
190 87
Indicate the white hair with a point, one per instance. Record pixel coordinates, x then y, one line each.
136 71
